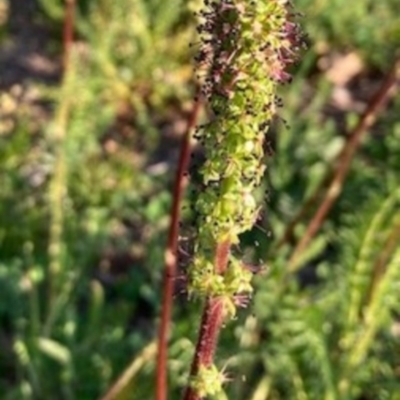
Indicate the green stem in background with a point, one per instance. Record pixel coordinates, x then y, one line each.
263 389
57 194
386 294
374 314
124 384
34 299
380 265
383 292
58 184
245 49
363 265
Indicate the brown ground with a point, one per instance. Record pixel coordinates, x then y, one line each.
25 54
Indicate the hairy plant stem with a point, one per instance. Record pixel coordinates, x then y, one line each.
210 327
211 322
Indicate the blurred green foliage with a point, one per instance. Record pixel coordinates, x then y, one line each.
369 26
83 215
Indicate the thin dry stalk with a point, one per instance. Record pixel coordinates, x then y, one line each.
170 269
308 205
125 381
375 106
68 31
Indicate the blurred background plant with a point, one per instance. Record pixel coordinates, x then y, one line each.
83 216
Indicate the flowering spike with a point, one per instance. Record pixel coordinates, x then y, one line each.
245 49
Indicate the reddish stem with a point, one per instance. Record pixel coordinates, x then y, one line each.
222 256
309 204
170 269
211 322
68 34
369 117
